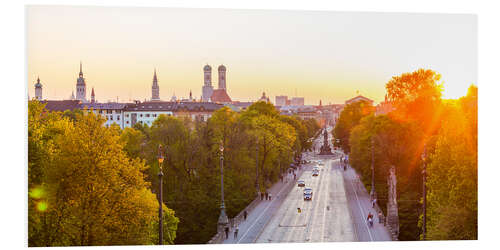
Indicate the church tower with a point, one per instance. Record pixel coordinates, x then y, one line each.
81 87
38 89
207 89
92 96
155 89
222 77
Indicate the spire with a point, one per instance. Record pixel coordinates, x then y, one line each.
154 76
81 72
38 81
92 96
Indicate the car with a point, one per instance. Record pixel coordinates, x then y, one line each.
301 183
308 193
315 168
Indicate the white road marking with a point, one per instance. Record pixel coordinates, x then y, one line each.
327 194
263 212
361 211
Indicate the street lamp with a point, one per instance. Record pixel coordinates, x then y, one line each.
223 220
372 192
424 176
160 196
257 187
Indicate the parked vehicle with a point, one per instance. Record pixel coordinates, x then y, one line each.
301 183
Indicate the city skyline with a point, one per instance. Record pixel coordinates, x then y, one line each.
326 56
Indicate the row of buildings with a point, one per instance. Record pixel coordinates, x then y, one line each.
129 114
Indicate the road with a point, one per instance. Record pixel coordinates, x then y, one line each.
337 211
325 218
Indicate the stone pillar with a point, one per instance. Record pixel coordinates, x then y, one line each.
392 204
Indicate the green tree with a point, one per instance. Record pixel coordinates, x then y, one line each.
349 118
452 171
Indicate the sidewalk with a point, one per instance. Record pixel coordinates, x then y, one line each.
260 215
360 204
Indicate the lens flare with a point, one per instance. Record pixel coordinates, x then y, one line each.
36 193
42 206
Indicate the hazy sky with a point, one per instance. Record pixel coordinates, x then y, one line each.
318 55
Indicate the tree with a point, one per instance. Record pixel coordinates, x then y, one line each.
349 118
452 171
417 97
91 192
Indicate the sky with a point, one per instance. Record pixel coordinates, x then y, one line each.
318 55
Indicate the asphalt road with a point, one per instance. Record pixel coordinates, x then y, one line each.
337 211
323 219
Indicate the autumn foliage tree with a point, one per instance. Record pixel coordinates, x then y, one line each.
86 191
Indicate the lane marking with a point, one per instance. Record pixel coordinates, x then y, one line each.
263 212
361 211
326 201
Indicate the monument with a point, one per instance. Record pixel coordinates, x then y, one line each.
325 149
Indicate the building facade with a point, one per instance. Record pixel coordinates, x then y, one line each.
297 101
281 100
359 98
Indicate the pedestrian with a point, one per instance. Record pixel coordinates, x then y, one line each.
294 176
267 195
261 196
373 203
227 232
379 216
245 215
236 232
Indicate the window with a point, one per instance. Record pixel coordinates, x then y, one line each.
127 122
140 115
111 117
147 115
100 111
126 115
118 117
109 111
154 115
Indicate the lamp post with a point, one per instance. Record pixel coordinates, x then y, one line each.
372 192
223 220
257 187
424 176
160 196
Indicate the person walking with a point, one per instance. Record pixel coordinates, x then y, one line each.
379 216
245 214
373 202
227 232
261 196
236 232
267 195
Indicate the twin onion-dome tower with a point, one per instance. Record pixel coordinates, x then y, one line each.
209 94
